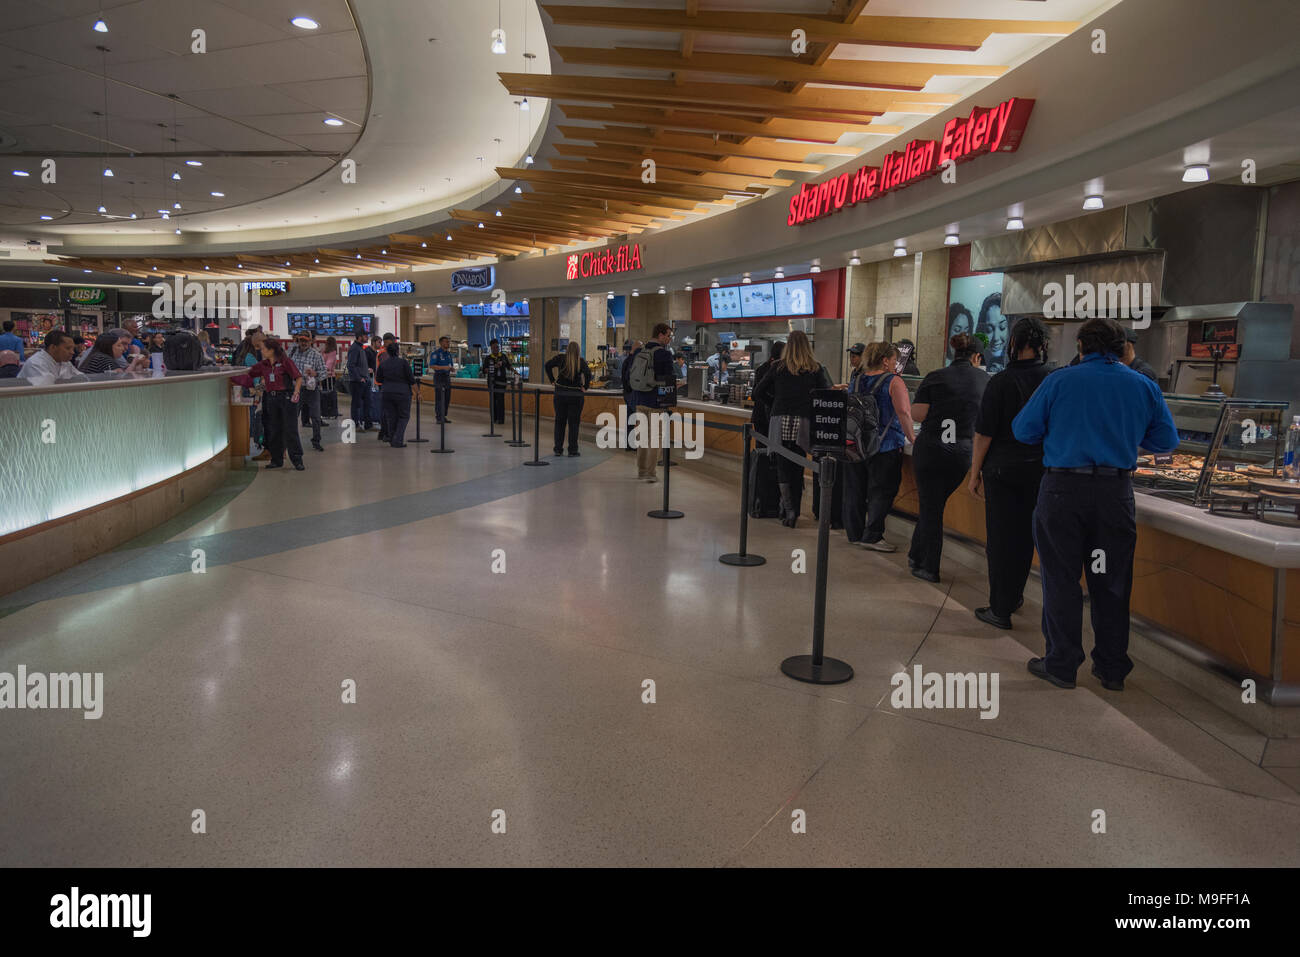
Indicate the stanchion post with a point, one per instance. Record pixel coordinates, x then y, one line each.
742 558
491 433
419 394
537 430
442 425
516 415
665 512
816 668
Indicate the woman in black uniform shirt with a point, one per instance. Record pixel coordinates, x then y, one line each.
571 378
946 403
1009 472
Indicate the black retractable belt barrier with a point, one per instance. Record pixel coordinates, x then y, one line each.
442 424
516 416
816 668
537 428
419 391
491 433
743 558
665 512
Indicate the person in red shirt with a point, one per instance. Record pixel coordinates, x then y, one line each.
282 383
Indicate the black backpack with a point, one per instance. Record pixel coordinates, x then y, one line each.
864 429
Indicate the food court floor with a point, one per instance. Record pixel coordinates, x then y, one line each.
521 692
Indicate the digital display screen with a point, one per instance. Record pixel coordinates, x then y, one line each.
725 302
495 308
794 298
328 324
757 300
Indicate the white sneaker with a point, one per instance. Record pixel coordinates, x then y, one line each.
651 479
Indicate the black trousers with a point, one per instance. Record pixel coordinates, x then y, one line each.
1010 495
1086 524
397 412
498 402
359 393
869 491
791 473
441 394
568 415
309 399
281 414
939 473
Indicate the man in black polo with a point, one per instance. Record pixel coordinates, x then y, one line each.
497 370
1091 419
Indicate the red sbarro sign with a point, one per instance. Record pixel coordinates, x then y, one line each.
623 259
995 130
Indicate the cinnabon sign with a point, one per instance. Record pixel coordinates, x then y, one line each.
995 130
625 258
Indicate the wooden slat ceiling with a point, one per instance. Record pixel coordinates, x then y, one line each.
721 126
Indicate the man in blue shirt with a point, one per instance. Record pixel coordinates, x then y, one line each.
442 364
9 341
1091 419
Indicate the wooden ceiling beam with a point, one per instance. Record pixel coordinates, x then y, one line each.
877 74
667 174
737 165
807 130
576 191
611 206
927 33
826 104
623 185
536 206
790 153
573 219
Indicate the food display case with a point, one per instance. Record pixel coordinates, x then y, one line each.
1228 459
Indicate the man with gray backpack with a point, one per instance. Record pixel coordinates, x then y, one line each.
880 425
653 379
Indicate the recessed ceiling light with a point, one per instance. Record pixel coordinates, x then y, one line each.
178 232
635 293
176 205
53 280
333 121
1196 173
688 287
193 163
358 255
239 265
102 209
523 105
586 299
304 23
85 270
498 41
714 284
815 267
316 261
779 274
133 215
498 212
108 172
21 172
951 239
746 280
480 225
1015 222
424 245
176 175
519 189
528 160
449 237
855 261
218 195
47 217
662 290
119 268
205 267
610 296
1093 202
100 26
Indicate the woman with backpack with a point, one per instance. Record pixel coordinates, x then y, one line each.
870 486
789 388
947 402
571 384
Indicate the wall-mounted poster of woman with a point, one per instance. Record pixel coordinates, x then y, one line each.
994 326
960 323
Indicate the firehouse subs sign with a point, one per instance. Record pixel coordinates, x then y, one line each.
625 258
995 130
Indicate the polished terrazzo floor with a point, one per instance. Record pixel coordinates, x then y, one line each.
522 692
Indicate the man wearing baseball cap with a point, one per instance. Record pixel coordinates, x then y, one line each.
855 364
1130 356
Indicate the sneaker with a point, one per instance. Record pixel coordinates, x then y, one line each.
299 466
1038 668
574 454
925 576
879 545
557 451
276 465
651 479
318 447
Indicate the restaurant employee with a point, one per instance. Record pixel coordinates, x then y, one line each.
282 386
497 371
1091 419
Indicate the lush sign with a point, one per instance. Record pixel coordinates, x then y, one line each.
473 279
86 297
378 288
625 258
995 130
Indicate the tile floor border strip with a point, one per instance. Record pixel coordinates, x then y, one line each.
118 568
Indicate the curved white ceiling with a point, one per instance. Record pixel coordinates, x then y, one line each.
435 106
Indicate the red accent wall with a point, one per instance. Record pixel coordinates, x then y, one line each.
828 299
959 263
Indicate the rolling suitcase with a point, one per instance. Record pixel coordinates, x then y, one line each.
329 401
764 495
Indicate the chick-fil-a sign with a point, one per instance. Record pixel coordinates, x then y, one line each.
994 130
624 258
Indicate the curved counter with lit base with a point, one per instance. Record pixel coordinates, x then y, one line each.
86 466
